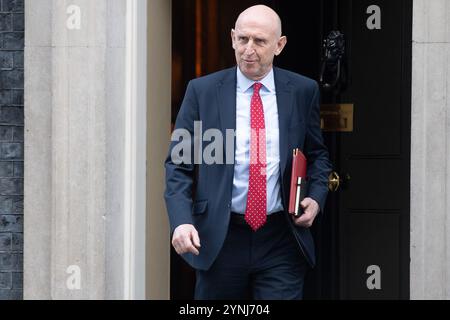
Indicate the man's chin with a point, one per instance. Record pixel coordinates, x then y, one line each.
250 73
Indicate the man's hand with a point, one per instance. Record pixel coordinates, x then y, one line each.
311 209
185 239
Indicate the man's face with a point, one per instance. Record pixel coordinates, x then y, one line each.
255 44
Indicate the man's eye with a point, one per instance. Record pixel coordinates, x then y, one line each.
243 39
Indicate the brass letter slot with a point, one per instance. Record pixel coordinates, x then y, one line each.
336 117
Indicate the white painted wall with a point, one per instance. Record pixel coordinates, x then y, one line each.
74 149
430 151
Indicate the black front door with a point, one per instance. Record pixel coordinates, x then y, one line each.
363 237
374 159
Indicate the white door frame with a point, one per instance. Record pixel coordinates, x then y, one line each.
135 150
148 112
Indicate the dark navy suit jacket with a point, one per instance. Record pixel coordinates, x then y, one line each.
201 194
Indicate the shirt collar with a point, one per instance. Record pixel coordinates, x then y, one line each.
244 83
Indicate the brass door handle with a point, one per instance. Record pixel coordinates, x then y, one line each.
334 181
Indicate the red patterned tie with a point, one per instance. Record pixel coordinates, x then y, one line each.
256 210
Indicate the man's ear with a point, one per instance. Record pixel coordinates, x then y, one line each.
280 45
232 39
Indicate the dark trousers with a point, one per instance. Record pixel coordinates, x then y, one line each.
266 264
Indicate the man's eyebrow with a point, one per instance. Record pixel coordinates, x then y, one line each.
256 37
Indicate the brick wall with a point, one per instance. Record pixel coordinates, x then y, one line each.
11 148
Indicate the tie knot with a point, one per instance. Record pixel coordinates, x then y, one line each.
256 87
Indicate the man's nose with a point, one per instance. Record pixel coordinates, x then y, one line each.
249 49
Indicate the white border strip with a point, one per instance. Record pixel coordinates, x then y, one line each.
135 149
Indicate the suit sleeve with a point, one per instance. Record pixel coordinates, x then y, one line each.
319 166
180 173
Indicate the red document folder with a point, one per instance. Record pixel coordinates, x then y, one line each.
298 183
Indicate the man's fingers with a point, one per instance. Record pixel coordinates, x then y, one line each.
305 220
310 208
186 239
305 203
196 239
306 214
193 250
185 246
188 246
192 243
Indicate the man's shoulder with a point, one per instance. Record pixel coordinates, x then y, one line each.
296 78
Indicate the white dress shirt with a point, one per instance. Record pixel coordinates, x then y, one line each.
244 92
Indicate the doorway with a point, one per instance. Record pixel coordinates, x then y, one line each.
362 239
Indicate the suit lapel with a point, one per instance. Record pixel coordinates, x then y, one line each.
226 95
226 101
284 103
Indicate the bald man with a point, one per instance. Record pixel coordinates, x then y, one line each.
236 231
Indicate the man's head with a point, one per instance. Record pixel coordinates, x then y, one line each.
257 40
